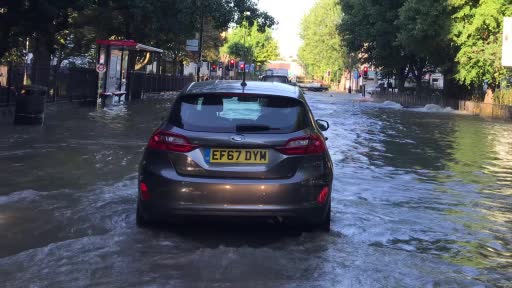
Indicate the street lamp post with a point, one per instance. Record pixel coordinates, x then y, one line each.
201 28
245 48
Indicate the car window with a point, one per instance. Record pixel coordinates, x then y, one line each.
247 114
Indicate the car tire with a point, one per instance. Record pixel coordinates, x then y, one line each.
140 220
325 225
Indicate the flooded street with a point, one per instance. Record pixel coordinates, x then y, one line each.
421 199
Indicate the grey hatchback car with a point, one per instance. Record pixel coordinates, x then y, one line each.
238 150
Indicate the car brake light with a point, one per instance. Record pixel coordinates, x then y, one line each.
313 144
144 192
167 141
322 197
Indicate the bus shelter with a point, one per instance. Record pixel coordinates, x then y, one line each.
116 60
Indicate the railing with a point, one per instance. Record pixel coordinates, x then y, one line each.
7 96
140 83
79 84
64 83
486 110
410 99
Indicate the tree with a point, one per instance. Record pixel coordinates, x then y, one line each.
369 30
63 28
252 45
321 49
477 30
424 29
11 46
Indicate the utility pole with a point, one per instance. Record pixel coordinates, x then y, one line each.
245 48
201 28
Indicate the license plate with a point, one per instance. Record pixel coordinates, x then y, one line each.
256 156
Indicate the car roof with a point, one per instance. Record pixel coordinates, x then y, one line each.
234 86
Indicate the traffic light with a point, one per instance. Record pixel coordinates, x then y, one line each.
241 66
365 72
232 64
213 68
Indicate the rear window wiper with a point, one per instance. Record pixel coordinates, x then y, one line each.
254 128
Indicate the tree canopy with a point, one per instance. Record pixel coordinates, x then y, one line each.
321 50
69 28
402 38
477 29
250 44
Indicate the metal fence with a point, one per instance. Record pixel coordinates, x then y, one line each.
64 83
140 83
486 110
79 84
413 99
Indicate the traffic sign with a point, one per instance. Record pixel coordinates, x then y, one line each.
101 68
356 75
192 45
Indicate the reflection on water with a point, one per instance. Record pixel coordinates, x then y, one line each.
462 170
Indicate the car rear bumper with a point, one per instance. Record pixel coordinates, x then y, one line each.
172 194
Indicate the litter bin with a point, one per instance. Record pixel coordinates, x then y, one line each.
30 105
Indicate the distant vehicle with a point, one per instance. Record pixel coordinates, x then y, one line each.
235 150
276 71
276 78
276 75
312 85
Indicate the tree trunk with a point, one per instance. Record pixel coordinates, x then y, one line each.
41 62
418 71
402 76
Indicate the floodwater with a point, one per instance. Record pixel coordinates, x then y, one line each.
421 199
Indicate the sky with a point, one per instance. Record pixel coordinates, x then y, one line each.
289 14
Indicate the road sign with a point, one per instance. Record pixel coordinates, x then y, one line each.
356 75
193 42
101 68
192 45
506 56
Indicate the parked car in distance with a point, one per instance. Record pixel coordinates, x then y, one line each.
234 150
276 78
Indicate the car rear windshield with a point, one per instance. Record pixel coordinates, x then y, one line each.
244 114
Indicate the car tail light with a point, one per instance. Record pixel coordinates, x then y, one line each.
322 197
313 144
144 192
167 141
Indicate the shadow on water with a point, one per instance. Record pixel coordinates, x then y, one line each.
245 232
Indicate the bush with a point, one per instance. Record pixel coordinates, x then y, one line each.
503 97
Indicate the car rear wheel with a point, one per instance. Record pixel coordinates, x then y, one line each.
141 220
325 225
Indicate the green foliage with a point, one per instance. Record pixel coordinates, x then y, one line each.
251 45
11 46
424 28
503 97
64 28
477 30
369 30
411 37
321 50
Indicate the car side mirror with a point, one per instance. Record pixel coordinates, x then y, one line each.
322 124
